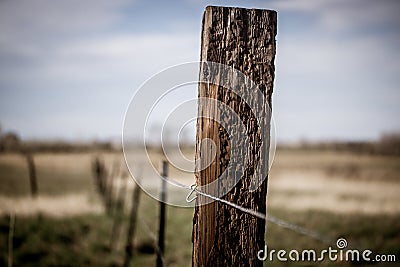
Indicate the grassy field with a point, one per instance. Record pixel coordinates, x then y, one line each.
329 181
84 240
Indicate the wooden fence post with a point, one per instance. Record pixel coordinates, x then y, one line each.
161 229
245 40
118 211
98 175
11 239
132 224
32 175
102 182
109 189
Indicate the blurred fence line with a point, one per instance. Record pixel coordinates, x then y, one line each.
113 188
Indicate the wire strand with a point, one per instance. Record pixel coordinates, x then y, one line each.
270 218
294 227
243 209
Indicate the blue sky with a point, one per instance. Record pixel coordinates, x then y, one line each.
69 68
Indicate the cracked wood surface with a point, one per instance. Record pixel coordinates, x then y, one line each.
243 39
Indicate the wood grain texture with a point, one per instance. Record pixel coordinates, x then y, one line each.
244 39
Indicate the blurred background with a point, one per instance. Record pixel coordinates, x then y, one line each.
68 70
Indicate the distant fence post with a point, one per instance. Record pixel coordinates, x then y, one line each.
243 39
161 230
100 177
98 170
132 224
32 175
11 239
119 211
109 188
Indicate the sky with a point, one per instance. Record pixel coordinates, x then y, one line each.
68 69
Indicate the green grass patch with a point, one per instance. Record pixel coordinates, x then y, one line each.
84 240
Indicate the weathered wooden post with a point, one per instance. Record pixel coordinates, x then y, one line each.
132 224
32 175
119 211
109 189
100 177
161 229
245 40
11 239
98 174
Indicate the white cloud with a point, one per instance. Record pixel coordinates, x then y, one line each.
343 15
296 5
107 57
98 74
337 75
19 17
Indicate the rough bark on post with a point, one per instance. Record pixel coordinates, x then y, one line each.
243 39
